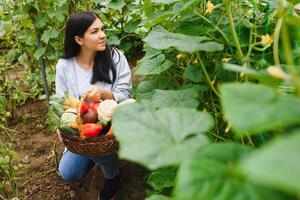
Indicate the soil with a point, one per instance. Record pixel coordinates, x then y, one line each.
40 152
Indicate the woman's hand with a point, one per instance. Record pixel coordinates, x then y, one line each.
96 94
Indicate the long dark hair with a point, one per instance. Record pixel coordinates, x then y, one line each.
77 25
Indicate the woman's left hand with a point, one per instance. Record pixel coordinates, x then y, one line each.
96 94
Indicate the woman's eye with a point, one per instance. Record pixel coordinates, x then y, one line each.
103 28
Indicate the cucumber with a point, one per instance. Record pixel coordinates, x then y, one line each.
65 129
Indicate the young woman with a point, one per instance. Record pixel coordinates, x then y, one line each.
89 64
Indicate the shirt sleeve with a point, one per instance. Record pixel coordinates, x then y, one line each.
60 82
122 86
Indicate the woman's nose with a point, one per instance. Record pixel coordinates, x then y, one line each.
102 34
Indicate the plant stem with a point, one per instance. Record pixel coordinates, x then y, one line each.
210 83
215 112
227 4
276 41
216 27
247 58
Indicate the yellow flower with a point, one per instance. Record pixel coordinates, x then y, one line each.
209 7
226 59
276 72
266 40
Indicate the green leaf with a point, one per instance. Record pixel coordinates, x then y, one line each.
193 73
261 76
117 5
148 8
49 34
3 103
12 55
40 20
211 172
194 26
158 197
175 98
39 52
164 1
165 135
113 40
145 89
55 111
58 12
161 39
252 108
27 37
23 60
132 25
276 164
162 178
153 65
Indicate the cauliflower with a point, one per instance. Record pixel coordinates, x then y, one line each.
69 116
106 108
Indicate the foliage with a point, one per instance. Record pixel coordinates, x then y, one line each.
218 96
8 167
241 59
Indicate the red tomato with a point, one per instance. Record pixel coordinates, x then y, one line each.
91 129
84 107
94 106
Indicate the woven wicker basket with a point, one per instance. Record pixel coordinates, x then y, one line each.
94 146
91 146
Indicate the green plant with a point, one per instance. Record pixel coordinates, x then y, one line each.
246 147
8 166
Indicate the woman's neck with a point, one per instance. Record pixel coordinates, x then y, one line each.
85 59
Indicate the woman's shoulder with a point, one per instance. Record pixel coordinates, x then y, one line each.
64 62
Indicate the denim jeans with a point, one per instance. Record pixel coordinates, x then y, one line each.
74 167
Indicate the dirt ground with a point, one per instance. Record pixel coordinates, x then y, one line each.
40 152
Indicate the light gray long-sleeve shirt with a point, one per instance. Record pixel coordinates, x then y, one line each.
69 78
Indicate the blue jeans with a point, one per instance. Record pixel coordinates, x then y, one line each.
74 167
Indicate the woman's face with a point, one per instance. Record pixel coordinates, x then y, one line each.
94 39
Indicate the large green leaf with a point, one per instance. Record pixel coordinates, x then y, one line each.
157 138
175 98
158 197
277 164
153 65
252 108
193 73
132 25
162 39
145 89
211 173
162 178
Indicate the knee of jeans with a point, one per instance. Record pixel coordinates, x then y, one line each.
68 175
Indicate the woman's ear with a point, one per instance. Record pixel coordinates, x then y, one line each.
78 40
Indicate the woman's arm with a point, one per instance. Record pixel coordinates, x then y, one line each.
60 83
122 86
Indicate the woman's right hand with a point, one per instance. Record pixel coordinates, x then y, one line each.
59 135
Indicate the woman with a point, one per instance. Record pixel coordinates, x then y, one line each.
89 64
